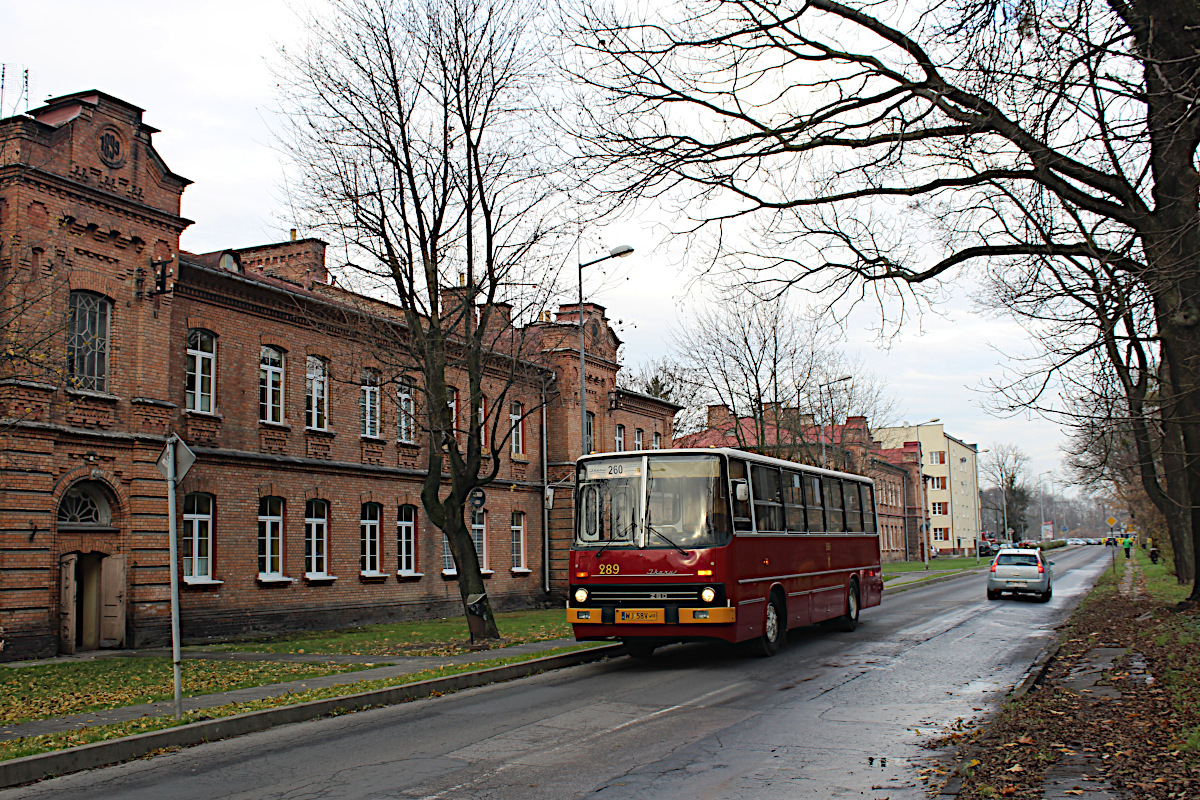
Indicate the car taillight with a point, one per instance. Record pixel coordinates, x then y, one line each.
993 566
1041 567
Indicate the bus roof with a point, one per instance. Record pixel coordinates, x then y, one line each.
732 453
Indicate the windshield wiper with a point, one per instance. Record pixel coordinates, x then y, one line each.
606 545
665 538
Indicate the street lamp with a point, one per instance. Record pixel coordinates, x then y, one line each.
1042 504
821 400
921 475
620 251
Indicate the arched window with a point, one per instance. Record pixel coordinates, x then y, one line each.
406 540
369 544
201 370
87 341
316 539
270 385
195 543
270 538
84 505
316 398
368 404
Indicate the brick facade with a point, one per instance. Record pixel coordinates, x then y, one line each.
88 207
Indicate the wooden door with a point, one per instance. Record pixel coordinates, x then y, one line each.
67 596
112 601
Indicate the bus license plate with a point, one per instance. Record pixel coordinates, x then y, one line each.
653 615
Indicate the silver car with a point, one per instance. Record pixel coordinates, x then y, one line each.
1020 571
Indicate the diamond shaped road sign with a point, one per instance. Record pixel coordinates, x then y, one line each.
184 458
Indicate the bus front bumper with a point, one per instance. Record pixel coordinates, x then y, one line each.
651 616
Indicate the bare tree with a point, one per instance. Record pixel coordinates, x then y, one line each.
774 370
1020 134
1006 467
414 126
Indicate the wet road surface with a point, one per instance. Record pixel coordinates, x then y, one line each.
832 715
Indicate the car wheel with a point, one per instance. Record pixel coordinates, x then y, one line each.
849 621
993 594
1045 596
774 628
638 649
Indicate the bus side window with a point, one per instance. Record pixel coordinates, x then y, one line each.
834 520
741 508
853 507
793 502
816 508
768 512
868 495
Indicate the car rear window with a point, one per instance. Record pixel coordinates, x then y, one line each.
1016 560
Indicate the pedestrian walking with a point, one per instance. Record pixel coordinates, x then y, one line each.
1127 543
1153 555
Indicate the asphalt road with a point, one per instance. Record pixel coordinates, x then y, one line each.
833 715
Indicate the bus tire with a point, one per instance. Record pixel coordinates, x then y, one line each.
774 627
638 649
849 621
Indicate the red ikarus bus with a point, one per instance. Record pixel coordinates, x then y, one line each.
682 545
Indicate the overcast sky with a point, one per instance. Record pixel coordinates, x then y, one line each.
202 72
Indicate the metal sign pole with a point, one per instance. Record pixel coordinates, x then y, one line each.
173 546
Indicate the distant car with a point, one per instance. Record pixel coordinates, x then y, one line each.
1076 541
1021 571
986 548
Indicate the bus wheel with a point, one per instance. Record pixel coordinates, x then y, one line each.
774 628
849 621
638 648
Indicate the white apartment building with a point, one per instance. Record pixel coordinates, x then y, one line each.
951 467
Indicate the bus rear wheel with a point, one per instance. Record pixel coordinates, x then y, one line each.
849 621
774 628
638 649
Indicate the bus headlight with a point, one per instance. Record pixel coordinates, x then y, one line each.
581 595
708 594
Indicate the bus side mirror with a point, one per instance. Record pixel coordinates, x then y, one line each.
741 492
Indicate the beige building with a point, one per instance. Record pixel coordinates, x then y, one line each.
950 468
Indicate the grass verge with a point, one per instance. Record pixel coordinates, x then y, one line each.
439 637
31 745
56 690
960 562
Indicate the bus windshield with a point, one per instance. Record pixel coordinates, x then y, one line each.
653 501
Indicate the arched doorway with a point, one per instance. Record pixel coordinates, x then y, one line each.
91 608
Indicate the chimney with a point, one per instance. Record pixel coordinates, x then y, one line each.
719 417
299 260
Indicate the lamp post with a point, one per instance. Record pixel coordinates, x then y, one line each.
821 400
1042 504
620 251
921 475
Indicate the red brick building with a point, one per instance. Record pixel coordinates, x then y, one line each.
303 508
849 448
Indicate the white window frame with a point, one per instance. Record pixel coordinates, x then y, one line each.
406 416
406 540
657 440
516 422
619 439
479 537
638 441
270 531
369 542
89 334
197 537
316 394
517 531
200 390
316 540
589 433
368 404
483 434
941 534
270 385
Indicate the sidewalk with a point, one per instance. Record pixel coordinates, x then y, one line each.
391 667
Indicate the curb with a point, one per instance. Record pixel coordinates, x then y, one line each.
29 769
908 585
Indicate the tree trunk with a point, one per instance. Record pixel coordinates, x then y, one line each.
1176 514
